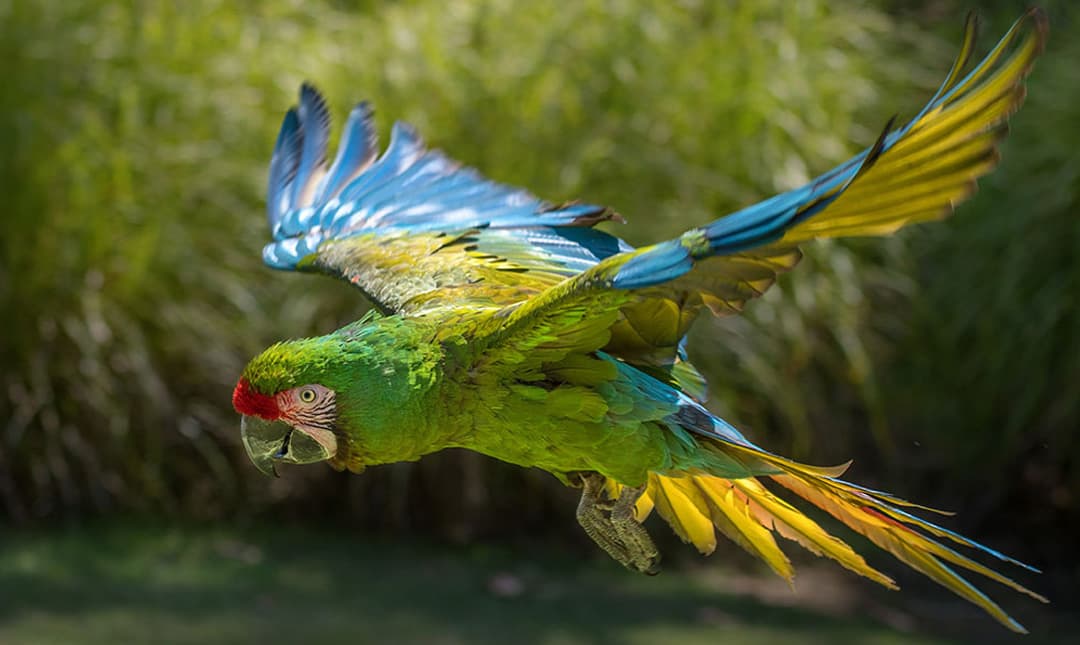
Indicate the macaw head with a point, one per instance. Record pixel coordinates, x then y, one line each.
293 426
290 414
341 398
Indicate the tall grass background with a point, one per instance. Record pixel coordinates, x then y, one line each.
134 138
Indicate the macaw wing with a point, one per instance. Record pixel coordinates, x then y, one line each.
412 227
918 172
413 273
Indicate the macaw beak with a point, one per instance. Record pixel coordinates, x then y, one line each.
268 442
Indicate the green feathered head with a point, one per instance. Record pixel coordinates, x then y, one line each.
288 398
319 399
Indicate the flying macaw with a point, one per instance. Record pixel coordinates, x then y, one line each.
508 325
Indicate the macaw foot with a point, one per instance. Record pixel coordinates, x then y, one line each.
611 524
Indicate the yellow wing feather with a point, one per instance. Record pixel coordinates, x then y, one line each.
930 167
946 149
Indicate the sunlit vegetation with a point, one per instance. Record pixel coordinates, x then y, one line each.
134 141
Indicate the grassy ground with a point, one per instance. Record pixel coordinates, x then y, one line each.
132 584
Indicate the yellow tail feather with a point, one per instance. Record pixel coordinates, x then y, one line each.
747 513
696 505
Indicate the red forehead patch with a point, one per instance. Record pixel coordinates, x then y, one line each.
253 404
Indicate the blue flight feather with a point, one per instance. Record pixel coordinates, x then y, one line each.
315 126
662 262
283 166
751 227
407 188
356 150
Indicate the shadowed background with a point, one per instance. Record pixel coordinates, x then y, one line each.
134 139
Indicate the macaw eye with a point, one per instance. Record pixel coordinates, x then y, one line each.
307 395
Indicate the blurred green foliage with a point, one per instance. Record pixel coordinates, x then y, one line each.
272 584
133 143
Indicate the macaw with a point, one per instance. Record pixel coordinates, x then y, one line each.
510 326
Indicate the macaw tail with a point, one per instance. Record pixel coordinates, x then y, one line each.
748 513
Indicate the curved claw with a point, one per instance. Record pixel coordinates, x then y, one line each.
613 527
